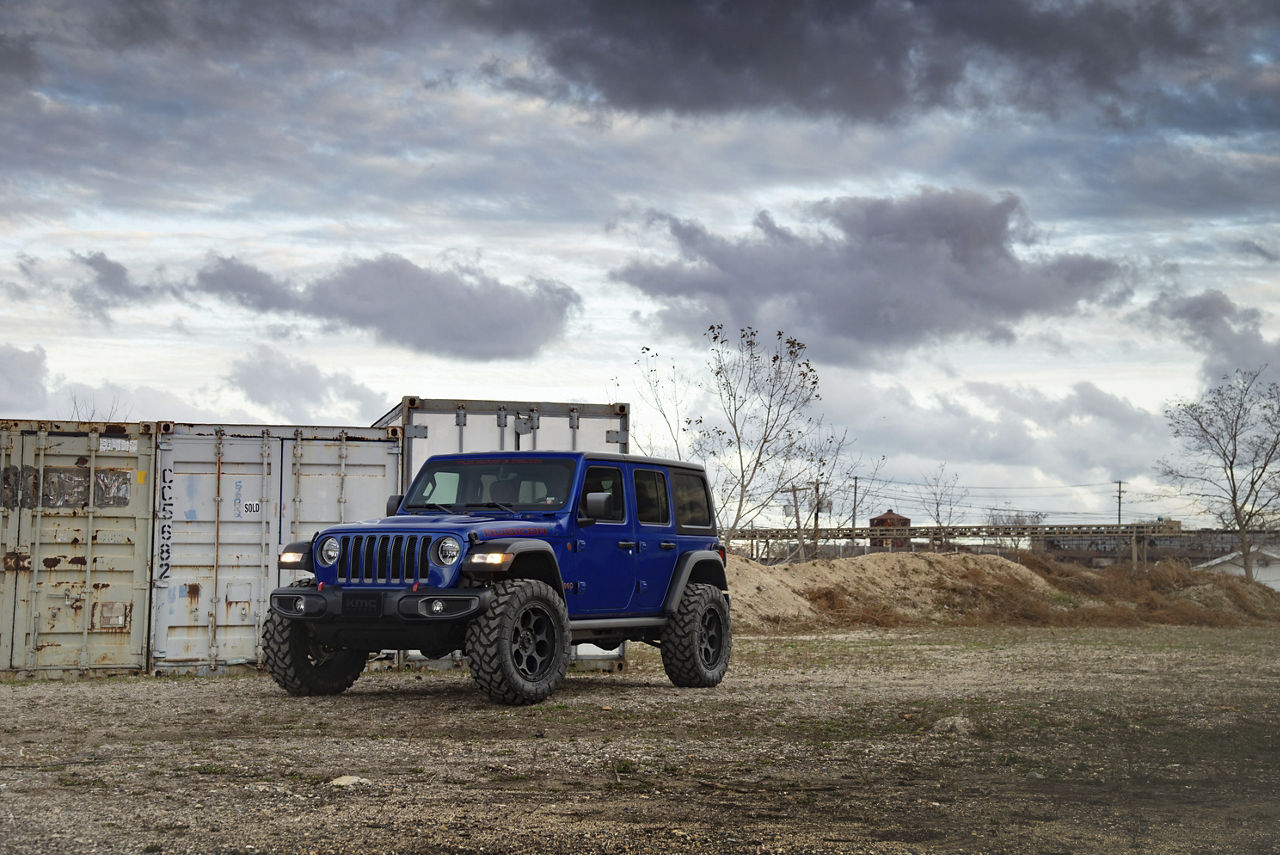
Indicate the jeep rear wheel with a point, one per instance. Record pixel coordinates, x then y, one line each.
697 640
300 664
518 648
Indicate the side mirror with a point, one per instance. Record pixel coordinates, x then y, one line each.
393 504
600 506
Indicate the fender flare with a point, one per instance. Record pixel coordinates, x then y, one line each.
700 565
531 559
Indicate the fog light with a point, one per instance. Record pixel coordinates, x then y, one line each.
300 605
437 607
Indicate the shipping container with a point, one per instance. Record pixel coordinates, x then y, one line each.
75 533
228 498
443 426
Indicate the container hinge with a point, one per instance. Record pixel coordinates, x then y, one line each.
615 436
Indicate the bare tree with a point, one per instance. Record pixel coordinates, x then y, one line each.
940 495
1012 517
1230 464
664 389
764 440
86 410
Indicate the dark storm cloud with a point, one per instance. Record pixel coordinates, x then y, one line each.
1227 334
301 392
876 59
234 25
1257 250
457 311
237 282
109 287
18 63
23 374
895 274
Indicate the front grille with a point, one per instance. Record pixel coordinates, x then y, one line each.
383 559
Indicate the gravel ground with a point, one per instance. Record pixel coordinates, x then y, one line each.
884 741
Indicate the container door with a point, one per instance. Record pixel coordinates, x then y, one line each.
333 479
10 479
217 531
78 574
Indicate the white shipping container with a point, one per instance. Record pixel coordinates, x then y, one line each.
228 498
445 426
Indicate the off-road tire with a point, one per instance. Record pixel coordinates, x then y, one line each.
518 648
301 665
697 640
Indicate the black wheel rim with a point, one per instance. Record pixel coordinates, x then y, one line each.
711 638
319 654
533 642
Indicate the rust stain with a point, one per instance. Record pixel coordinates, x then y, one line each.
17 562
78 560
98 586
193 593
82 461
51 562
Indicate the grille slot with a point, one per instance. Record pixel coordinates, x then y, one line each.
383 559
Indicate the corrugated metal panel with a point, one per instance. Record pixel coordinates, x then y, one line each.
229 497
77 532
444 426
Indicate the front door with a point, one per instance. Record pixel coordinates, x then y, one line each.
601 576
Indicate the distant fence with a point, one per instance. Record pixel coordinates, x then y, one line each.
1134 541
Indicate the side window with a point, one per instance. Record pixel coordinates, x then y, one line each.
693 506
652 507
604 479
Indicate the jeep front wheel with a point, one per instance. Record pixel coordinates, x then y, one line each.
696 641
518 648
300 664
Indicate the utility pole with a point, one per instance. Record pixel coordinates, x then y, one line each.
1119 494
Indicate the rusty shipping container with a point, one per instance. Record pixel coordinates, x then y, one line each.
75 534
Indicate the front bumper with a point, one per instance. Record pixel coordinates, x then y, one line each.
423 605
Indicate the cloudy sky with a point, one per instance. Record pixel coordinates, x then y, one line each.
1009 231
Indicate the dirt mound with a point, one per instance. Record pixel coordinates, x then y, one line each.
890 589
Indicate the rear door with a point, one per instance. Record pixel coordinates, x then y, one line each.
656 546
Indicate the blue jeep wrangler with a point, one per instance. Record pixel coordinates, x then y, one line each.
512 557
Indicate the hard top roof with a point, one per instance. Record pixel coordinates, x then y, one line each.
606 456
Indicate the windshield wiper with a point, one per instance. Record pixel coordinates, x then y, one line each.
433 506
499 505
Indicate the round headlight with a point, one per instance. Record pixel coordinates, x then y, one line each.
447 550
329 550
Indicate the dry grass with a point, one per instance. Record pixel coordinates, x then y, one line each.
903 589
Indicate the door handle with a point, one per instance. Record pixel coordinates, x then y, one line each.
626 544
666 544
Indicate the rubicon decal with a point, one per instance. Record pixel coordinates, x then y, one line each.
516 531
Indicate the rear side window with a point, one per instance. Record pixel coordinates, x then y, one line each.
652 507
693 505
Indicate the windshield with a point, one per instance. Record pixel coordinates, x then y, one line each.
515 484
